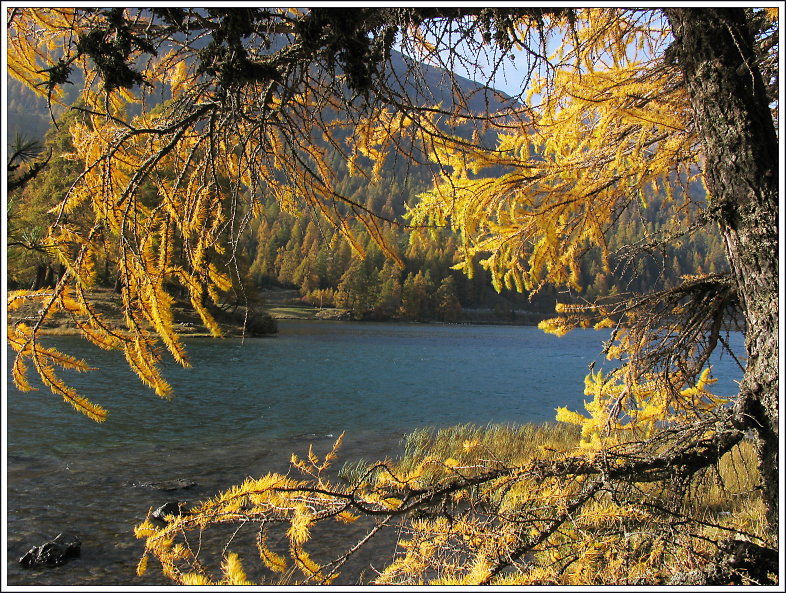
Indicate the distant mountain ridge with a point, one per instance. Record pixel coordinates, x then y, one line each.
28 113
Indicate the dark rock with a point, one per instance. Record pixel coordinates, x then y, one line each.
312 436
53 553
174 508
737 562
746 563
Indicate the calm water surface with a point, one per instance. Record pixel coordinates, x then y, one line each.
246 405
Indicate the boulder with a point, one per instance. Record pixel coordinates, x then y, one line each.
53 553
173 507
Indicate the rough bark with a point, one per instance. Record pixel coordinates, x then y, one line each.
715 50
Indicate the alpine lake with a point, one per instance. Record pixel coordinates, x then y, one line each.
245 406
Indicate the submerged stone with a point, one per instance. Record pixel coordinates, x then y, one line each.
170 485
53 553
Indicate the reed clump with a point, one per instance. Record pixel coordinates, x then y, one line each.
469 446
509 444
728 492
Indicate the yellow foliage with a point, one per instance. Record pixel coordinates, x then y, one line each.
479 572
141 567
233 571
193 579
144 529
565 415
604 133
646 405
346 517
275 562
23 340
299 528
37 36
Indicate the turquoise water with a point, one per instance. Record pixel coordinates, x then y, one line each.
246 405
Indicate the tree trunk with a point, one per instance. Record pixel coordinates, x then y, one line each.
714 49
40 277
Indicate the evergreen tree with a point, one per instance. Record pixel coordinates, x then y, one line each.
448 307
417 297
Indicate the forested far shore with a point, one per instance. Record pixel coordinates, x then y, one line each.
298 248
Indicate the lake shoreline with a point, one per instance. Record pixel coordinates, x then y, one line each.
286 304
73 331
238 321
280 305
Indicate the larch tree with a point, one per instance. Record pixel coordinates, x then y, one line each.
218 106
